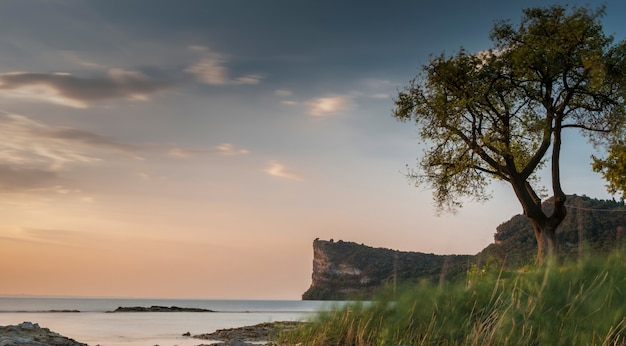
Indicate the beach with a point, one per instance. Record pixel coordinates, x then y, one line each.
96 325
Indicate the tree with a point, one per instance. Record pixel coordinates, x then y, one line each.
613 167
500 114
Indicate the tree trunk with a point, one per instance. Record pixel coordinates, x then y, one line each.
543 225
547 248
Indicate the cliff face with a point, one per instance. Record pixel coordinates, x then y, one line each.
346 270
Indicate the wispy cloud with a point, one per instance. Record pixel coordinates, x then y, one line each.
72 57
332 105
79 92
28 143
249 79
87 138
182 152
14 179
277 169
212 70
34 154
225 149
378 88
228 149
283 92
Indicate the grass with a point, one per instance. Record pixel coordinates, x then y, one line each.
581 303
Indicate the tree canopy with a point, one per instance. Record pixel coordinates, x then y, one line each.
499 114
613 167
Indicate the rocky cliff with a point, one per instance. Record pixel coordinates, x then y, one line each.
346 270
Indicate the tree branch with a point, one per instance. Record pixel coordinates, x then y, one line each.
584 127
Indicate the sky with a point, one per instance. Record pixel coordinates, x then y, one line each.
195 149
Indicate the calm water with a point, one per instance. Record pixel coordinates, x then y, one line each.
96 327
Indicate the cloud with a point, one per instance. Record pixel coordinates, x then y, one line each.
225 149
378 88
181 152
249 79
277 169
72 57
283 93
14 179
68 90
327 106
212 70
35 156
86 137
25 142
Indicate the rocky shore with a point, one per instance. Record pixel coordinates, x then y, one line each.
243 336
31 334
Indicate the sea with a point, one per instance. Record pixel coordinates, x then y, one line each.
95 325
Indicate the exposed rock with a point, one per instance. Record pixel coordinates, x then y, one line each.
346 270
156 308
242 335
30 334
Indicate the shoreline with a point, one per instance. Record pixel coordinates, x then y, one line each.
93 326
258 334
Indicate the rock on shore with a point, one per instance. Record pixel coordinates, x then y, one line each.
259 332
31 334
